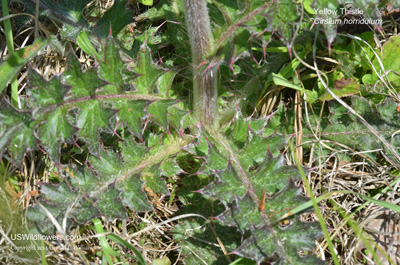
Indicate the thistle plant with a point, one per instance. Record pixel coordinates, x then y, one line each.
205 94
126 117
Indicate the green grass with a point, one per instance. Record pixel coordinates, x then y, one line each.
10 48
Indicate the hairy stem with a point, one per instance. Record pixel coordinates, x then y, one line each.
204 73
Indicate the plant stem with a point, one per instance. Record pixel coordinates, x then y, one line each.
10 48
205 105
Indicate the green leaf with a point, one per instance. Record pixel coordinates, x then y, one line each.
69 12
261 239
215 159
54 128
113 20
132 152
93 118
254 152
61 196
133 196
263 178
16 131
239 133
389 50
146 2
343 88
227 186
255 187
279 80
176 117
162 261
280 16
196 238
307 6
113 69
154 181
85 44
147 70
348 130
159 110
46 93
244 214
329 28
170 168
107 164
292 241
80 107
83 84
286 199
55 131
164 83
130 113
369 7
108 204
18 59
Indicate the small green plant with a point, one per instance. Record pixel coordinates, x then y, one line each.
128 119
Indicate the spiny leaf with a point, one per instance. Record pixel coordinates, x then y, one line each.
134 197
159 110
55 131
54 128
163 10
200 244
226 16
70 13
255 187
113 69
109 204
240 128
283 201
347 129
265 178
154 182
108 164
104 190
227 186
16 131
58 199
82 105
130 113
295 237
280 16
51 94
83 84
294 242
170 168
215 159
92 118
261 239
369 7
254 152
245 215
149 73
176 117
175 35
164 83
132 152
322 15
